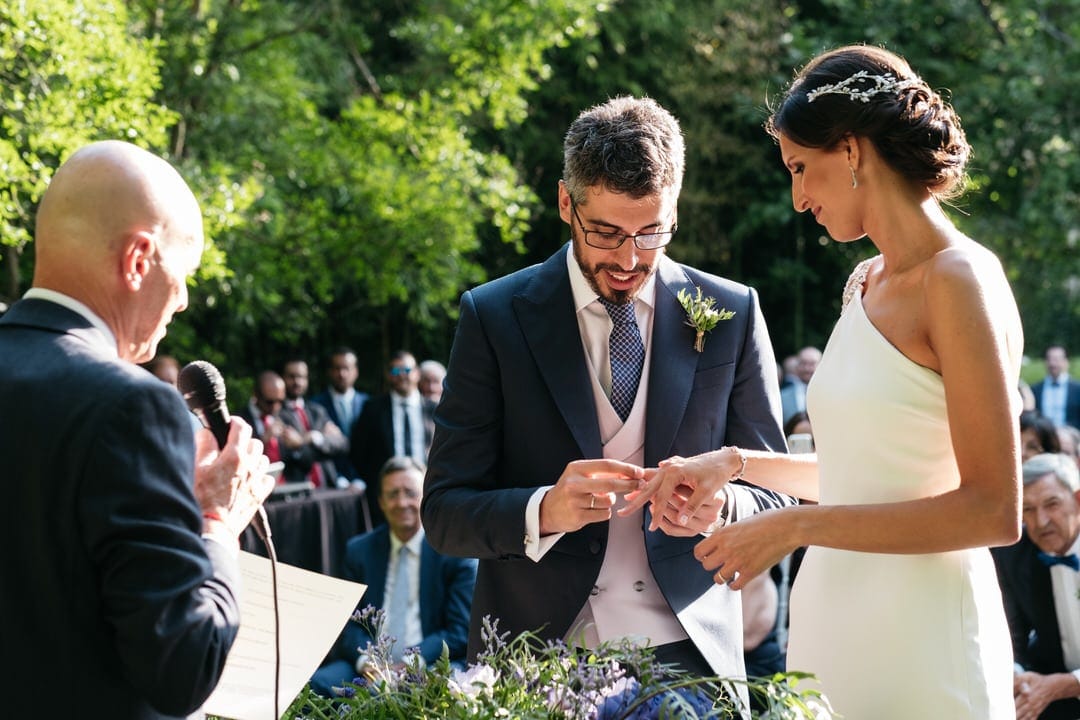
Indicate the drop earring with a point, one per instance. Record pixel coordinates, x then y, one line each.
854 180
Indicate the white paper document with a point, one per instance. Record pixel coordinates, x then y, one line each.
313 610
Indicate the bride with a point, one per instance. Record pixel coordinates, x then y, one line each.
896 608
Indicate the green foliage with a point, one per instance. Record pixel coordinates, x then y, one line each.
360 163
70 73
526 678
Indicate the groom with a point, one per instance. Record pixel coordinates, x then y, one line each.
564 377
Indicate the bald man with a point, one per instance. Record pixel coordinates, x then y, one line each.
120 527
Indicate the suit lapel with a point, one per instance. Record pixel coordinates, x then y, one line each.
673 363
431 590
545 313
377 564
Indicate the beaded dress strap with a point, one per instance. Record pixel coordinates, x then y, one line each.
855 281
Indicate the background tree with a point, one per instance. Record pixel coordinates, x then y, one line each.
361 163
70 72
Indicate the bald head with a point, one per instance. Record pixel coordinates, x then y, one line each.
119 230
107 190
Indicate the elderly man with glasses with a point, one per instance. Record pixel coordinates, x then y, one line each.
1040 584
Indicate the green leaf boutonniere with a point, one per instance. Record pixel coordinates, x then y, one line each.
701 315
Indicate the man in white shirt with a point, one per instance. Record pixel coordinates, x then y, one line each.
565 378
425 596
1057 396
397 423
1040 583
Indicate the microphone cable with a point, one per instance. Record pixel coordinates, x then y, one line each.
262 528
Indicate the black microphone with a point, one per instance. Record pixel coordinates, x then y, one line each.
203 389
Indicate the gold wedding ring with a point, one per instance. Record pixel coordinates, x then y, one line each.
723 580
592 502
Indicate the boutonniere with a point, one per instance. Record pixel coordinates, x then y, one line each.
701 315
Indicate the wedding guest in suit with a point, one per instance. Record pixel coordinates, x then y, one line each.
120 584
263 413
432 374
396 423
309 439
793 395
1040 585
565 378
425 595
342 403
1057 396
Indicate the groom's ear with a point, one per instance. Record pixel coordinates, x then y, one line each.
564 204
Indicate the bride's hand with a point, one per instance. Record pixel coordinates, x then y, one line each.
686 495
737 553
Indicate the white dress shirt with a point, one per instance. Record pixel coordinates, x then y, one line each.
1066 585
1054 397
414 632
398 407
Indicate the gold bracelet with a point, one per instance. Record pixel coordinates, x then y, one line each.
737 475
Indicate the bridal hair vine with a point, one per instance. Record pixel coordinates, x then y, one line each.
878 84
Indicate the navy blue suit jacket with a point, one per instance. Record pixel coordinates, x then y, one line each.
446 589
1028 594
341 460
112 601
518 405
371 442
1072 400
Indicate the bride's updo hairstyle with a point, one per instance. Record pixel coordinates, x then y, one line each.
873 93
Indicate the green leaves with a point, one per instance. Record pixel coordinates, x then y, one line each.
701 315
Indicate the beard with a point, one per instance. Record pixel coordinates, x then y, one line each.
618 297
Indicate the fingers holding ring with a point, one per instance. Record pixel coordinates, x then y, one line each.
592 502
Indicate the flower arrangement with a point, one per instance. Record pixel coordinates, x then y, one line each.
526 678
701 315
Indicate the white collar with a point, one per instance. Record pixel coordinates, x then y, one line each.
75 306
583 293
414 543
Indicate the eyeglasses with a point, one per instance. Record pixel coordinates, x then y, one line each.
614 240
395 493
401 370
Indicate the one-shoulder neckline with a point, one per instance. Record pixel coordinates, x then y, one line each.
857 299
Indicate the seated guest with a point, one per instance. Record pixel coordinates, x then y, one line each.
1037 435
310 439
263 412
426 596
1039 583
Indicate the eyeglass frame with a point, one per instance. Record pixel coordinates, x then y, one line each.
669 234
400 369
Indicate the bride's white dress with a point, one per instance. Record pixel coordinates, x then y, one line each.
910 637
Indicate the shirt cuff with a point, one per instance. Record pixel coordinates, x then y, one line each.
535 546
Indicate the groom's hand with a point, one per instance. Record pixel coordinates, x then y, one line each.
585 493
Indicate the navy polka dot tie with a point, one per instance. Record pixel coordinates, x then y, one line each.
627 356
